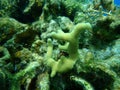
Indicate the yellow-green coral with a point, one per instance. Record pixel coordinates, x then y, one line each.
71 38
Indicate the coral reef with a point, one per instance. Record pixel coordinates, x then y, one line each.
59 45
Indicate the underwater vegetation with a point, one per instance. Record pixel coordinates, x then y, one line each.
59 45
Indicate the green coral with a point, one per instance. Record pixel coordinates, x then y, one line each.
71 46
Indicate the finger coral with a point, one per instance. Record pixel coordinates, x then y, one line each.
71 38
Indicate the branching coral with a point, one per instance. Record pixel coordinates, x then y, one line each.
65 63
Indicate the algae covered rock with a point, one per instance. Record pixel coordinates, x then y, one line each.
9 27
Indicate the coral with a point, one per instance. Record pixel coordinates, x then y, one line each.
7 7
47 12
17 77
29 63
99 71
106 4
43 81
66 63
2 79
4 55
26 34
71 7
59 45
82 82
8 28
33 8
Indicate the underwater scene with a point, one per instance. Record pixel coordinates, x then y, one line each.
59 44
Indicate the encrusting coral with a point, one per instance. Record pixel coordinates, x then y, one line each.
71 38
